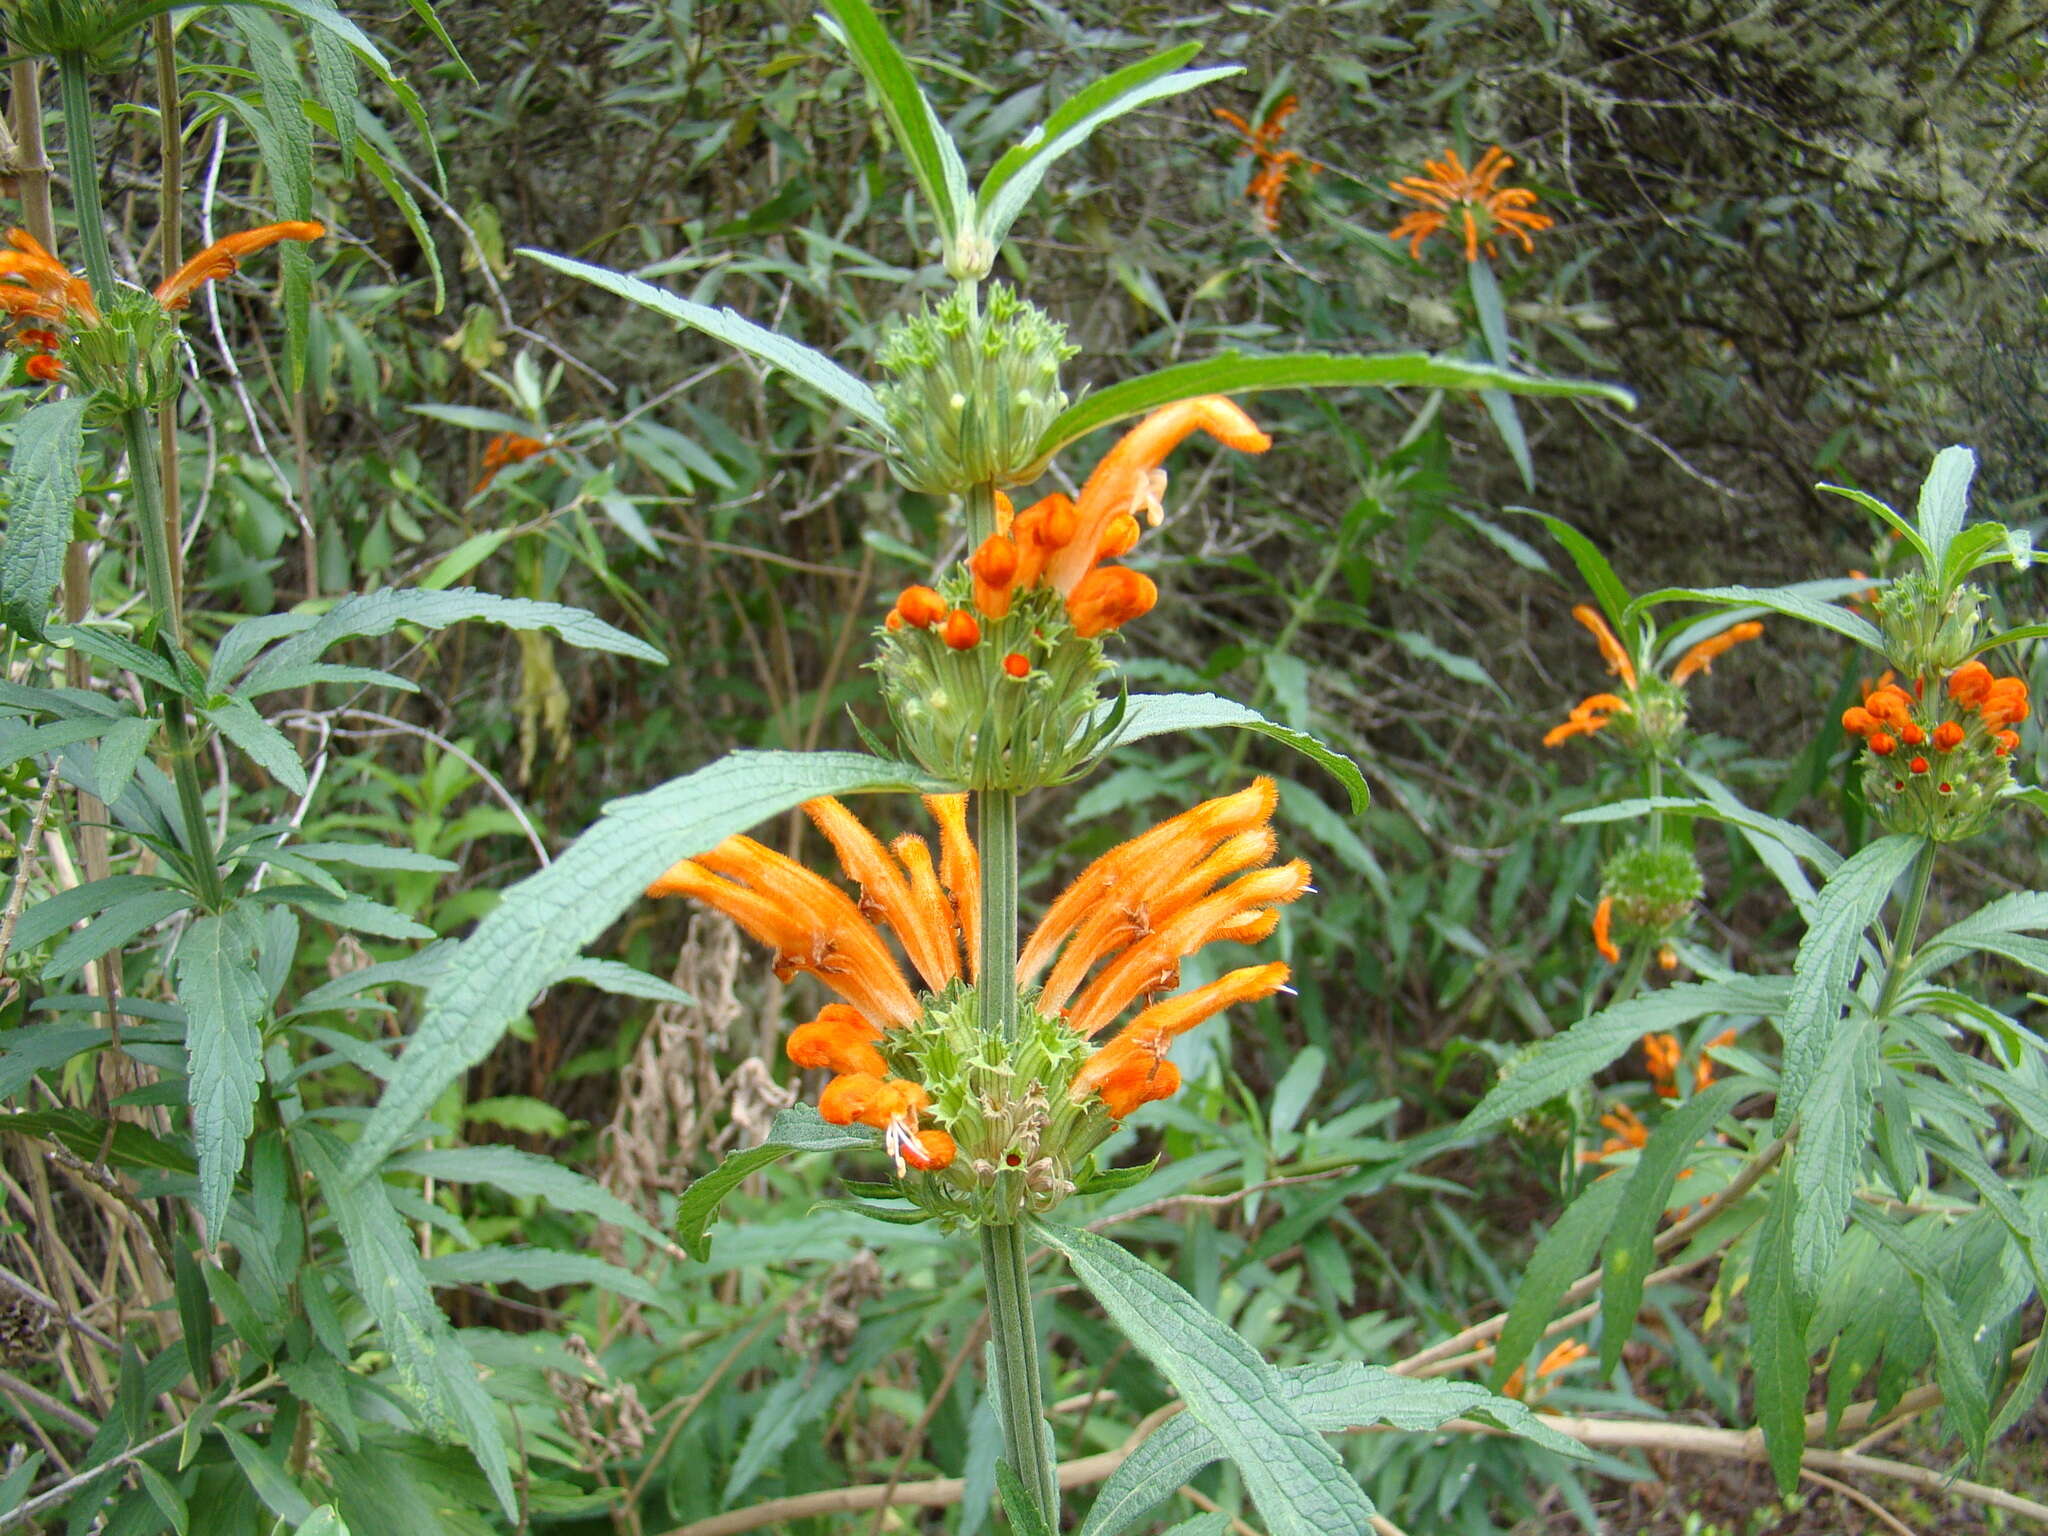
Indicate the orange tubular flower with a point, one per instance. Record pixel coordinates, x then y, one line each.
1480 208
507 448
1703 1071
994 567
1603 919
1611 650
1275 165
1700 658
1129 482
1661 1055
33 282
1565 1355
1108 598
1589 715
223 258
961 630
921 607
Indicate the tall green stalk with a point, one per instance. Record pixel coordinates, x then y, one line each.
1907 934
1013 1334
145 486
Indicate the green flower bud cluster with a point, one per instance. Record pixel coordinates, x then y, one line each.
1658 721
1008 703
1021 1141
1653 887
46 28
1927 631
129 361
974 391
1948 800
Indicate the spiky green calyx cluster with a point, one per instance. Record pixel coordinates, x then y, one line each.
129 360
1927 631
1020 1138
974 390
1653 887
46 28
962 714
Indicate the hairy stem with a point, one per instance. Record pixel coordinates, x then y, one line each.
1907 934
1014 1341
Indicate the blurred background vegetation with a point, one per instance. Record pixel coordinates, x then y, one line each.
1810 237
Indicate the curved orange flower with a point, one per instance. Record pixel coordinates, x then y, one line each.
1275 165
1069 545
1470 202
223 258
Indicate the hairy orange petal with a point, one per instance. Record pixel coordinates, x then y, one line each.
927 934
1700 658
960 869
1610 648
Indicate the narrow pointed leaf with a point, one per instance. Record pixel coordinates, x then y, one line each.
224 1000
777 351
1154 714
924 142
1299 1484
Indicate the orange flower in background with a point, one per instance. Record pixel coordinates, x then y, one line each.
1275 165
1567 1354
1064 544
1703 1072
1118 933
504 450
1603 918
1661 1055
1470 202
1630 1135
1701 657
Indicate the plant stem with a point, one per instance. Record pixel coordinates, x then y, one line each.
1014 1341
996 834
145 487
1907 934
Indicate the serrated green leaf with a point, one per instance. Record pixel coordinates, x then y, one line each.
224 1002
1013 178
797 1129
1330 1396
120 750
285 140
430 1358
41 1047
272 1484
84 1135
541 923
1777 1338
1594 571
383 162
537 1269
266 746
1018 1504
373 856
119 924
621 980
1299 1484
358 913
1154 714
41 490
1564 1061
324 1521
1883 514
524 1174
378 613
1848 904
18 744
778 351
52 915
1964 1395
1789 834
1827 1161
1631 1244
1235 374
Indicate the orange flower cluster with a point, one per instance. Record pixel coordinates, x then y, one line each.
1980 708
36 285
1661 1057
1481 208
1130 919
1565 1355
1063 544
505 450
1275 165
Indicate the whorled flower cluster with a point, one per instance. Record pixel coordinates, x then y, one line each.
1005 1123
1938 765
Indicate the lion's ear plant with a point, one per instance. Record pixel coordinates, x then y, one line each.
985 1074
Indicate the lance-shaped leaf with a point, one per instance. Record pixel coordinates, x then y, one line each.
1154 714
41 490
772 348
1802 600
1012 179
1299 1483
934 160
1235 374
542 922
224 999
